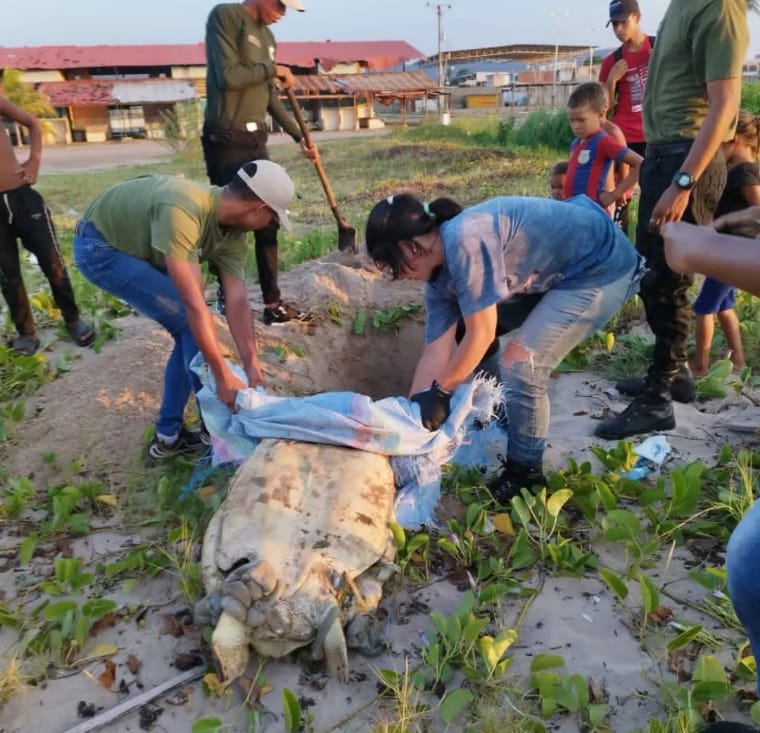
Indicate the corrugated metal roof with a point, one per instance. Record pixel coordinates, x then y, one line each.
373 83
155 90
372 54
113 92
138 91
93 57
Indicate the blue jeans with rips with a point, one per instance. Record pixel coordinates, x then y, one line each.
558 323
153 293
743 579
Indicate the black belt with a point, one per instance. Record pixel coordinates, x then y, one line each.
251 126
677 147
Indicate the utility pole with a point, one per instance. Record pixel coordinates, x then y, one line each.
558 15
439 10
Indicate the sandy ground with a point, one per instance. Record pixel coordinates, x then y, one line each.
100 410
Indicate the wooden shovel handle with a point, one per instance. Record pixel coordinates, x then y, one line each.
307 137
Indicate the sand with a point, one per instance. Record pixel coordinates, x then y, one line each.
100 410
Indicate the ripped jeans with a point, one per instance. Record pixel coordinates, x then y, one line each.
557 324
743 579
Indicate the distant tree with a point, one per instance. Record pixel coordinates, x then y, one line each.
25 95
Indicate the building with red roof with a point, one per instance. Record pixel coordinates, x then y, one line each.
109 91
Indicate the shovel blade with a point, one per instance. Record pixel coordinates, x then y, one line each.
347 239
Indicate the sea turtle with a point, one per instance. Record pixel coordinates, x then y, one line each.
299 549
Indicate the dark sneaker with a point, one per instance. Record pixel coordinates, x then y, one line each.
644 415
511 478
283 313
188 442
682 387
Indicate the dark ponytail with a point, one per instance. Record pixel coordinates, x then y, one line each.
401 217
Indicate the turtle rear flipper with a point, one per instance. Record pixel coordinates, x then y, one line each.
330 644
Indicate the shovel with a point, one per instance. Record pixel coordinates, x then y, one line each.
346 233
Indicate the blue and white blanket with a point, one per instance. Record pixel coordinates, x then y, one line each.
391 426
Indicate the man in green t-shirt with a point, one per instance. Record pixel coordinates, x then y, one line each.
241 79
144 239
691 103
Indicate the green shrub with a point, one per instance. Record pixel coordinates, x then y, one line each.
751 97
545 129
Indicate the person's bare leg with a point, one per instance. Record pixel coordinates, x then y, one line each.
729 258
729 323
704 329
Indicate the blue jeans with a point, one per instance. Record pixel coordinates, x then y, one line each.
558 323
152 293
743 578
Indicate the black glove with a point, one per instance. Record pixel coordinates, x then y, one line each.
435 405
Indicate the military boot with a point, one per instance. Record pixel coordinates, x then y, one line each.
651 411
512 477
682 386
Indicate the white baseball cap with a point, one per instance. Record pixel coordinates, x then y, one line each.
295 4
270 182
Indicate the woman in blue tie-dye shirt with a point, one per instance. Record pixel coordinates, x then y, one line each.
475 258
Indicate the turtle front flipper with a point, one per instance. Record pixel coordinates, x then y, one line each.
330 644
230 644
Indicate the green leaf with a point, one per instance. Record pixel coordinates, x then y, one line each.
59 610
389 677
453 703
416 542
597 713
542 662
521 554
650 596
711 690
292 711
711 387
28 546
360 322
709 669
98 607
754 713
557 500
684 638
473 629
207 725
521 509
399 536
616 584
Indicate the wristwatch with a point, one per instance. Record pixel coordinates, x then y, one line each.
683 180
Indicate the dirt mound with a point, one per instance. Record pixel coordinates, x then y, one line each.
101 408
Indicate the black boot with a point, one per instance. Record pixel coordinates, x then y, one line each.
511 478
652 410
682 386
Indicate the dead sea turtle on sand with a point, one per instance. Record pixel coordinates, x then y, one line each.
299 549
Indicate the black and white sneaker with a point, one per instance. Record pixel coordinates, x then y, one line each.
283 313
188 441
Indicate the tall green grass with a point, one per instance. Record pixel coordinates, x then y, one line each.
539 130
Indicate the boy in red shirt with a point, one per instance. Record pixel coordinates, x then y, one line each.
593 151
624 71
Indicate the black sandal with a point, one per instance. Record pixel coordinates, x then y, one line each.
26 345
81 333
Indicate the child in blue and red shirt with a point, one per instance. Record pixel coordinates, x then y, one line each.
593 152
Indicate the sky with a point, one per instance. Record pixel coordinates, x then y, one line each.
466 23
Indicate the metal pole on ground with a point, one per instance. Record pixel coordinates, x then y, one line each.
443 115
